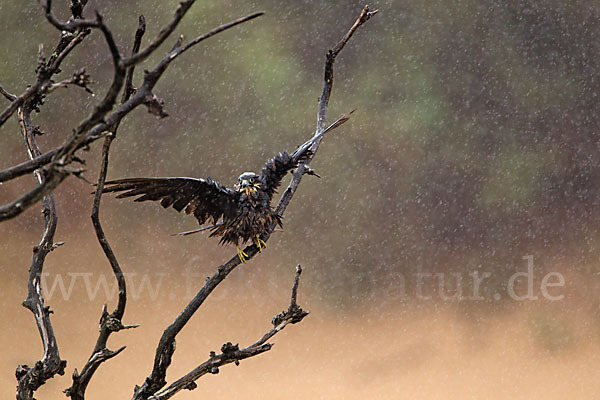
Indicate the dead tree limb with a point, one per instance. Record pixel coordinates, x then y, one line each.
112 322
166 346
31 378
231 353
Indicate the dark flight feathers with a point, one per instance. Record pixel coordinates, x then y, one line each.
204 198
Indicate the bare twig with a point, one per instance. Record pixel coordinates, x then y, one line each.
153 75
79 78
44 74
31 378
183 8
331 55
73 24
109 323
231 353
7 95
322 111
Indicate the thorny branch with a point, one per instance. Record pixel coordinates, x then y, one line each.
231 353
166 346
112 322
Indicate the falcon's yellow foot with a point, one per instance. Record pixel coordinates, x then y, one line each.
242 255
260 244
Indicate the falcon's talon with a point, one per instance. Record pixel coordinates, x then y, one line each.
259 243
242 255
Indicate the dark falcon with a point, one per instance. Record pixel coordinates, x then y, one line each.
237 215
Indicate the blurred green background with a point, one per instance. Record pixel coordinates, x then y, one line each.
475 142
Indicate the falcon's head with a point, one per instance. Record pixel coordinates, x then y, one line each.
248 183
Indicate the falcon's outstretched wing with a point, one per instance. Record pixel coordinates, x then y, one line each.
276 168
204 198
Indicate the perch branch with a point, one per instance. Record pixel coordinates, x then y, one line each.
231 353
322 110
166 346
109 323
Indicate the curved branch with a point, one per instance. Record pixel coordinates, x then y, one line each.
109 323
232 353
30 379
74 23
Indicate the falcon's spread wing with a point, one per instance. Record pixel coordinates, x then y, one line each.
204 198
276 168
274 171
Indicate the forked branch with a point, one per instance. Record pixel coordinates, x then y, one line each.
31 378
231 353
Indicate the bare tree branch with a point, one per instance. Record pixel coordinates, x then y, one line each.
45 72
183 8
50 170
322 111
109 323
331 55
74 23
231 353
31 378
79 78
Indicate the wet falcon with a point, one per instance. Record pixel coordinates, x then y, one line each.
237 215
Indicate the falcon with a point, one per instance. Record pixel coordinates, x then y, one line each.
237 215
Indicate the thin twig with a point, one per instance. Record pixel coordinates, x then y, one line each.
331 55
180 12
44 76
7 95
322 110
72 24
231 353
157 71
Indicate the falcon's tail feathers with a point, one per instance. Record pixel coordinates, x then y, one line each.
299 152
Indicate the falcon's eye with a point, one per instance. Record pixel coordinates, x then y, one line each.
251 180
